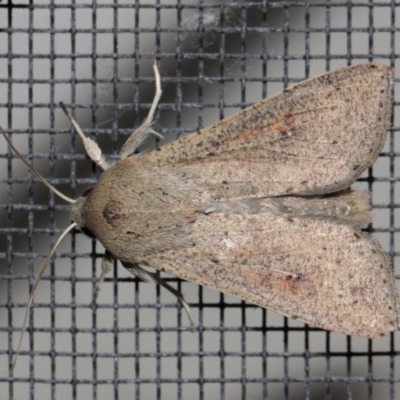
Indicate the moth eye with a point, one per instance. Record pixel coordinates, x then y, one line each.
87 191
87 232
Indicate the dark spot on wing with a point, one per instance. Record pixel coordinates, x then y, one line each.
112 212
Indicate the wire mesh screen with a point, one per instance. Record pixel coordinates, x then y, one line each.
134 340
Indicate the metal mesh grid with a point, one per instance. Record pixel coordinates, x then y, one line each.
215 58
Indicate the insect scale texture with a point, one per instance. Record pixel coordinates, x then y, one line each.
258 205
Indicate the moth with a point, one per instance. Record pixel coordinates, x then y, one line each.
258 205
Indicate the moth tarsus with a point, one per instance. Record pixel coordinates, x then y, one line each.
258 204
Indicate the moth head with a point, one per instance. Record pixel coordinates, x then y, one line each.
75 211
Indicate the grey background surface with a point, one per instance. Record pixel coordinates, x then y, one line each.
127 345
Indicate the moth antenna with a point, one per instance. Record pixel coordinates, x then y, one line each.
35 285
40 177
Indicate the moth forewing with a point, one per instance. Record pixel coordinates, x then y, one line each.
320 271
313 138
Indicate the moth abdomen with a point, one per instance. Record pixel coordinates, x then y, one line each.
346 206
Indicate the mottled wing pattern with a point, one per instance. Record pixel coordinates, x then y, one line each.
326 274
315 137
312 264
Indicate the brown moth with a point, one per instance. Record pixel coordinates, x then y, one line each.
258 205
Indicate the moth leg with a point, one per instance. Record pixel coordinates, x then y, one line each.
139 271
91 147
136 271
106 267
146 128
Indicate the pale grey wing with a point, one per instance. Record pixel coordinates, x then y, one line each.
328 275
315 137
